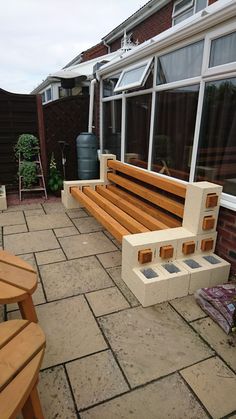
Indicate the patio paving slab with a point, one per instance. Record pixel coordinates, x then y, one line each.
66 231
34 212
87 225
111 259
9 218
29 258
115 274
214 384
50 256
167 398
31 242
38 298
224 345
48 221
53 207
55 396
188 308
1 313
65 279
95 378
86 245
76 213
71 330
22 207
19 228
106 301
153 342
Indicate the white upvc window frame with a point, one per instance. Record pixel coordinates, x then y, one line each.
120 88
192 5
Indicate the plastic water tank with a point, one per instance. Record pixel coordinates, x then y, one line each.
87 159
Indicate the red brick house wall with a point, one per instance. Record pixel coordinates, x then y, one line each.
226 240
94 52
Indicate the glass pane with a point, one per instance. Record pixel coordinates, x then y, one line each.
49 94
181 64
138 112
182 4
223 50
112 127
216 159
174 131
200 5
183 16
132 76
109 85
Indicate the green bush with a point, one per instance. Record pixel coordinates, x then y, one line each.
27 147
28 171
55 181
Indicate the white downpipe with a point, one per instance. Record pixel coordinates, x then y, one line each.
91 105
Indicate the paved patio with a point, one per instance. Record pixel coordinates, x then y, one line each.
107 357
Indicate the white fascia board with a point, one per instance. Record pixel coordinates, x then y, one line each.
213 15
135 19
48 81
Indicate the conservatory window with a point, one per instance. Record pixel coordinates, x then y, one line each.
223 50
109 85
183 9
217 140
134 76
112 127
175 119
181 64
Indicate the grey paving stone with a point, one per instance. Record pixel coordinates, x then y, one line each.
30 242
152 342
224 345
20 228
214 384
23 207
65 231
95 379
111 259
107 301
71 330
76 213
48 221
115 274
167 398
10 218
188 308
50 256
29 258
87 225
38 298
34 212
86 245
55 396
73 277
53 207
1 313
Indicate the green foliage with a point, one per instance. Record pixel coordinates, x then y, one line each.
27 146
28 171
55 181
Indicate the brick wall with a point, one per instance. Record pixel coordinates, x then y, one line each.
211 2
226 241
94 52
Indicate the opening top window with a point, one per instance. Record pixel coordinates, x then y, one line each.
133 76
182 9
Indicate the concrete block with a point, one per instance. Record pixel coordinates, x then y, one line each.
219 268
203 239
199 274
103 166
183 243
68 201
178 279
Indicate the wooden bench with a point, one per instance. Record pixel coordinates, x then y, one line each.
22 347
133 200
18 281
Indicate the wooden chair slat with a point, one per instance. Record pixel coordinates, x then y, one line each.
16 276
16 354
9 329
13 260
154 197
154 212
10 294
150 222
168 185
119 215
14 397
115 228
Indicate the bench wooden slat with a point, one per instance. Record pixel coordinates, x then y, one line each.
19 277
150 222
122 217
154 212
168 185
154 197
10 294
13 260
115 228
10 329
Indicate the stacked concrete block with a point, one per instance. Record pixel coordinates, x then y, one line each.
163 265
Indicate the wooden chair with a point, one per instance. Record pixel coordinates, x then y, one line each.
18 281
22 347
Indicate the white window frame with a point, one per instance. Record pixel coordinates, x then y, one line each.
184 9
138 83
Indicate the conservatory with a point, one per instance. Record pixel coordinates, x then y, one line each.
169 105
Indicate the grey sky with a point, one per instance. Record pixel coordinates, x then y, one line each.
38 37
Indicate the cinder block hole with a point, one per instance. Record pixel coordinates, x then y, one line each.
211 259
171 268
192 263
149 273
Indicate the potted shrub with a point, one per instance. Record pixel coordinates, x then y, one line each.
55 181
28 170
27 147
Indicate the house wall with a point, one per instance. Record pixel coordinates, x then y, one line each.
226 241
94 52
